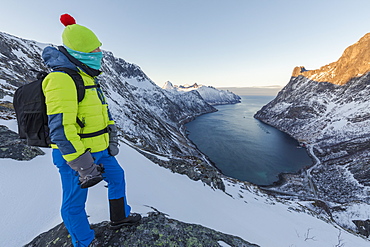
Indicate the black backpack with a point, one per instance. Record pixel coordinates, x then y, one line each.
30 108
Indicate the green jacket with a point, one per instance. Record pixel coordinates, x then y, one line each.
63 109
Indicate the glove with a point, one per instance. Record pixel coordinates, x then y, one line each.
113 140
89 172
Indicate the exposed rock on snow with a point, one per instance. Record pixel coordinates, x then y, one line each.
14 148
6 110
155 230
363 227
210 94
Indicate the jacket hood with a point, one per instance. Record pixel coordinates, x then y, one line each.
60 58
55 59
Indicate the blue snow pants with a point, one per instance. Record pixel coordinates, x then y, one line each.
74 198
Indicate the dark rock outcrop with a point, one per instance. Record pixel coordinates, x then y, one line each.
7 111
155 230
14 148
363 227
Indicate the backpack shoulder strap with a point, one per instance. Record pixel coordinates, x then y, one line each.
80 86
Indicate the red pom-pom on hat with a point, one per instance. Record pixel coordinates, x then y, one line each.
67 20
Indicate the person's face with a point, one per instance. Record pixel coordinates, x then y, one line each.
96 50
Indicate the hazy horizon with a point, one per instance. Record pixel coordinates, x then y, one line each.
262 91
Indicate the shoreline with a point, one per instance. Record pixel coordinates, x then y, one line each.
306 170
315 161
280 175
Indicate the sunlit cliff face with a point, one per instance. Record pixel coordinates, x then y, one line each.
354 62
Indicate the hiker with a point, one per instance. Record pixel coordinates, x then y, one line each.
83 133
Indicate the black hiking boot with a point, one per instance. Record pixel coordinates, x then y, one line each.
132 219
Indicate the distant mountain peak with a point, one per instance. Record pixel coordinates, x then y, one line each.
210 94
354 62
191 87
168 85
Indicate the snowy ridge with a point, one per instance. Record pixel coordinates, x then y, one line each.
17 60
353 63
210 94
333 121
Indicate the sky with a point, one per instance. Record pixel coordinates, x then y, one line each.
234 43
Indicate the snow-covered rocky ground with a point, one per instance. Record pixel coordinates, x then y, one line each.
332 120
31 196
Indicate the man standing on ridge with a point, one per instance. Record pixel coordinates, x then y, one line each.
83 133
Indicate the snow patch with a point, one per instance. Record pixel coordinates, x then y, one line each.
223 244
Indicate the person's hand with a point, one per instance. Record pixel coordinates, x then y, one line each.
89 172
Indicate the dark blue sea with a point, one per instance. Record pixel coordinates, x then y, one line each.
245 148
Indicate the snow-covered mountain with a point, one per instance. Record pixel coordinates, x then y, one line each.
151 120
332 117
210 94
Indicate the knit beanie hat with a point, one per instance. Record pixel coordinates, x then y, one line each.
77 37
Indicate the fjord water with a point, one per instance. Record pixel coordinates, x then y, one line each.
243 147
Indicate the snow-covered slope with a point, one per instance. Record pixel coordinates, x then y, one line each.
30 195
210 94
17 58
333 120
